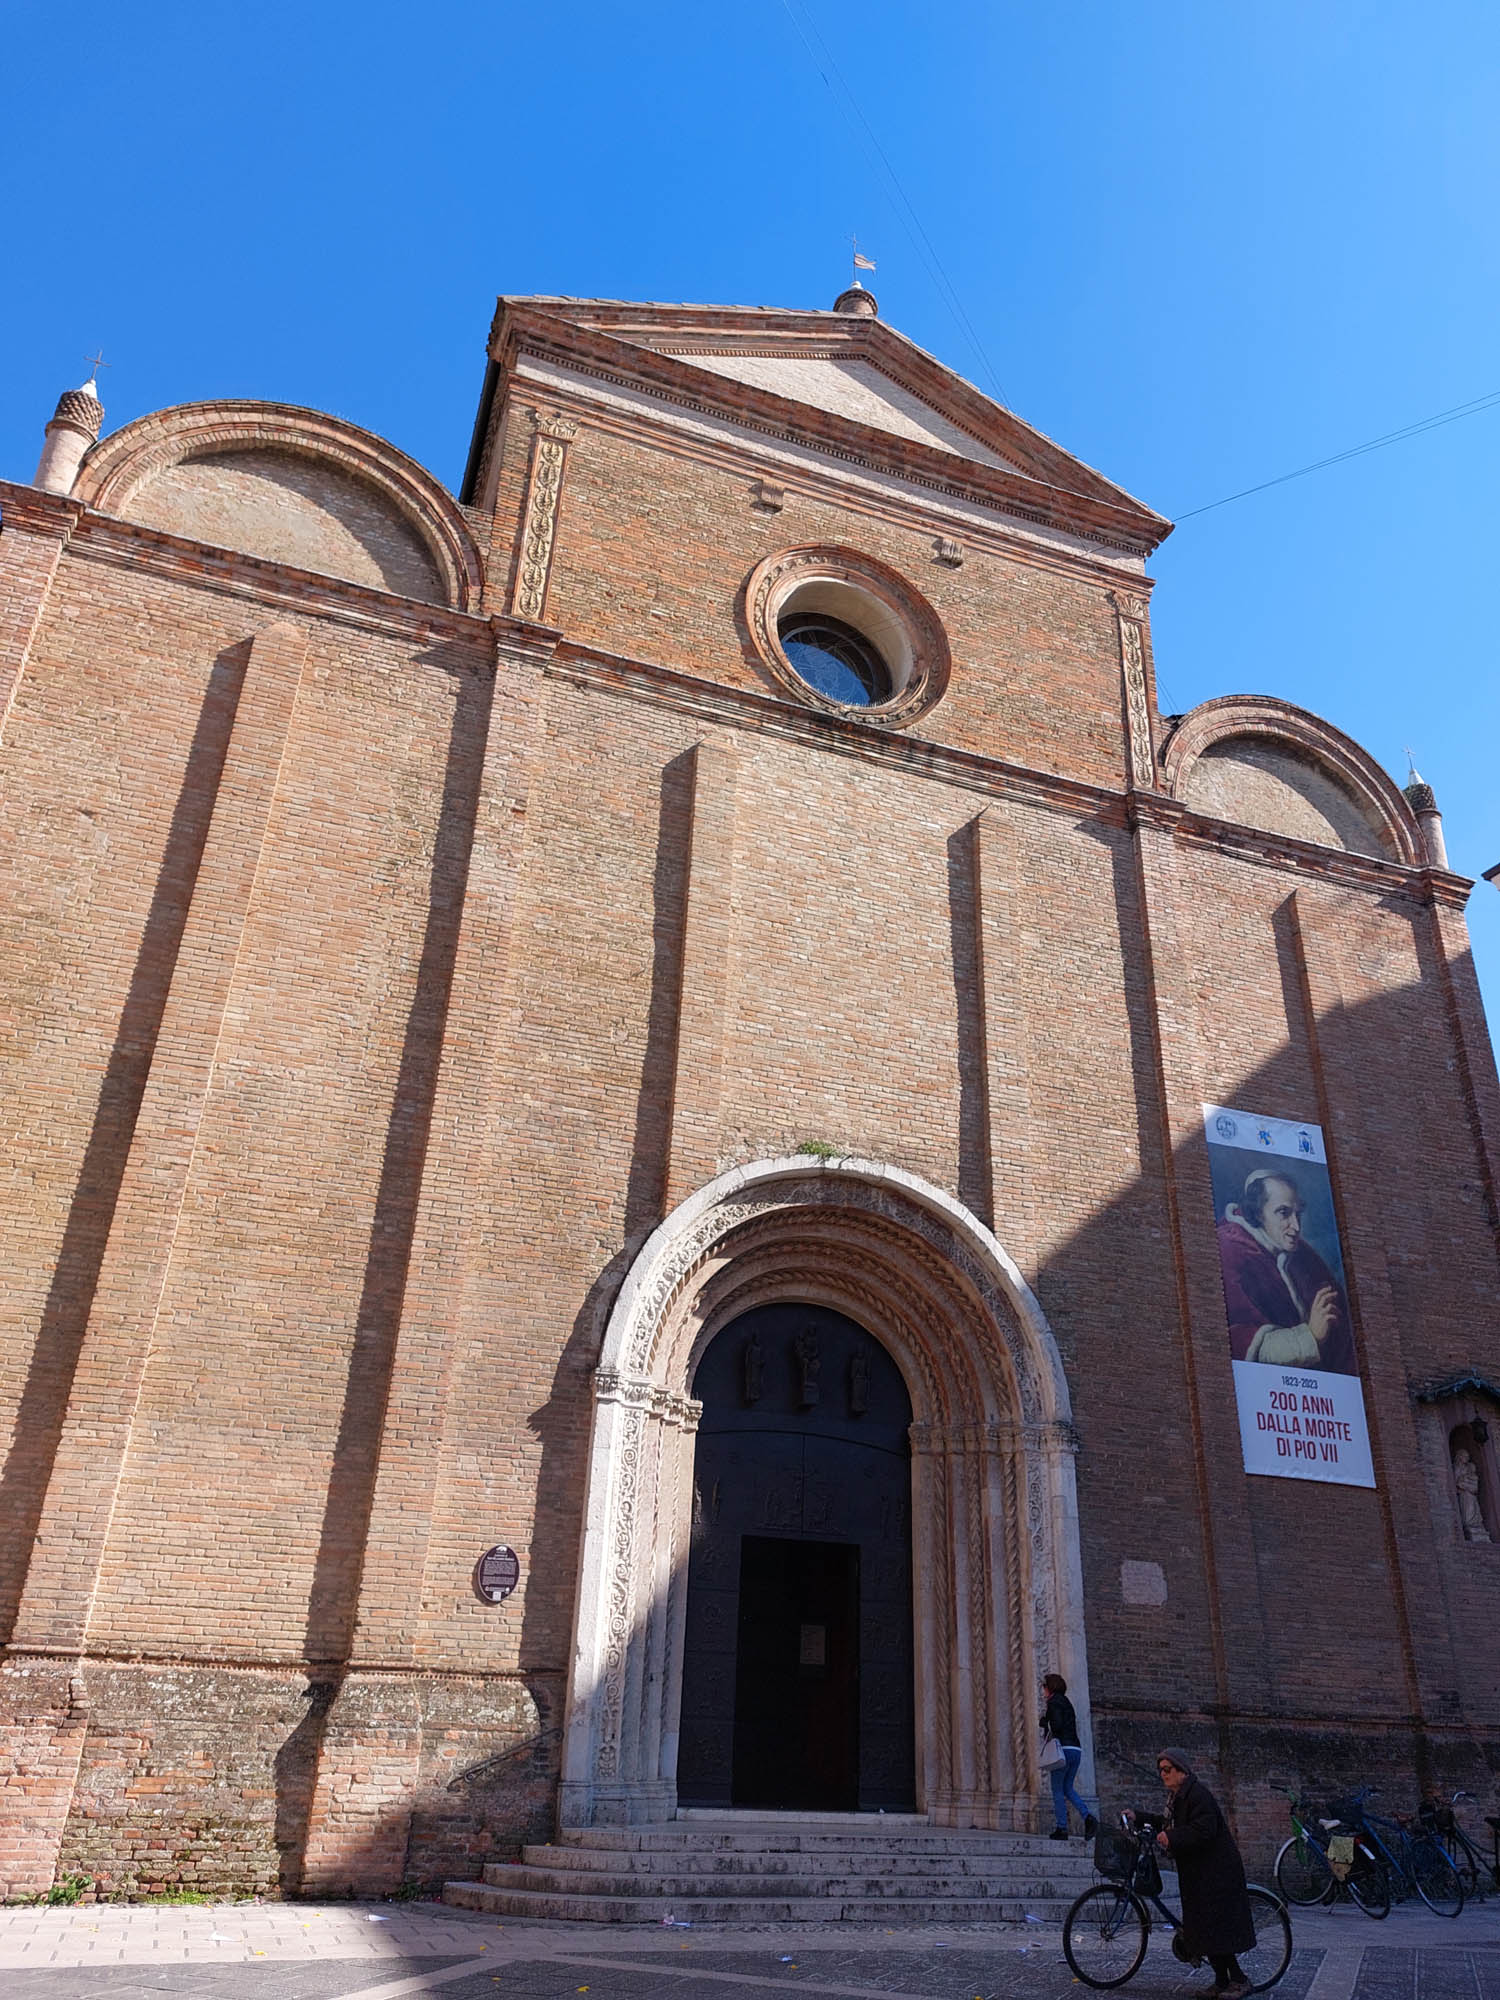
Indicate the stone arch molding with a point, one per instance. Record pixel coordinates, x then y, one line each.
441 563
997 1578
1369 814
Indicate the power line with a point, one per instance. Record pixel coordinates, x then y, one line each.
910 221
1433 423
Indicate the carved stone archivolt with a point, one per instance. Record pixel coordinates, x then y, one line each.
994 1515
549 457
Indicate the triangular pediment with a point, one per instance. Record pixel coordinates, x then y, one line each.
840 381
846 386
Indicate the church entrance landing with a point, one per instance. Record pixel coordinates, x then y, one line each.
797 1666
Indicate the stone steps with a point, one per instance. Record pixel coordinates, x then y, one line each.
800 1869
561 1906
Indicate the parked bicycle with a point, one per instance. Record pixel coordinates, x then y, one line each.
1106 1932
1325 1858
1479 1872
1413 1860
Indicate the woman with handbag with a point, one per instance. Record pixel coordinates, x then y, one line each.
1061 1756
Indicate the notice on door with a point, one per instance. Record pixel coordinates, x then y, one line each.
1291 1333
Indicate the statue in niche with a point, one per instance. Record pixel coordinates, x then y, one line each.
754 1365
805 1347
1466 1485
859 1384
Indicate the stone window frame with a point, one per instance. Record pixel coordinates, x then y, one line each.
888 612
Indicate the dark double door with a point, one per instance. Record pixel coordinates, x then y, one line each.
797 1668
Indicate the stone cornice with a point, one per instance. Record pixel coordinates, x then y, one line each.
1284 851
126 544
28 510
713 702
828 484
1130 528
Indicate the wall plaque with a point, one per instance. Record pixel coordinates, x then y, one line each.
496 1575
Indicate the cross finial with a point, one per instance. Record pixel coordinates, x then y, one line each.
1411 762
96 362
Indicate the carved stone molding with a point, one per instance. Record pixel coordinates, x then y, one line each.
770 587
994 1510
1140 752
549 456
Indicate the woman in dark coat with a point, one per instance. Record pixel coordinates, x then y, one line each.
1215 1909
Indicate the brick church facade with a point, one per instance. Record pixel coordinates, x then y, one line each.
725 875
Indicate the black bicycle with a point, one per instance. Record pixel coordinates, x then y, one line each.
1325 1858
1413 1857
1106 1932
1479 1872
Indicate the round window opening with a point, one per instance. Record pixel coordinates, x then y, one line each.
834 659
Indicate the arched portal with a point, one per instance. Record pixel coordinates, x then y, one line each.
797 1659
996 1575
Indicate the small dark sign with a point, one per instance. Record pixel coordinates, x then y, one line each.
496 1575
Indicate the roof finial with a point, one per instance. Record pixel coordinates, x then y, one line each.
75 424
96 362
1423 802
855 300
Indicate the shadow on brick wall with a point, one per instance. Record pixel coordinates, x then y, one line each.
64 1320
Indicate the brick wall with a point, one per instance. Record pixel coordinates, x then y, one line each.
349 953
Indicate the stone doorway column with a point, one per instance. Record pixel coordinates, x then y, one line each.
997 1576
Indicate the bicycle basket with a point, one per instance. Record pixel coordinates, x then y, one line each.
1114 1853
1436 1816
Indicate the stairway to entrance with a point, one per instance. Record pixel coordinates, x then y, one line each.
799 1868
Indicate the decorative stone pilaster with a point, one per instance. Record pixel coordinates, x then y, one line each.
1140 754
549 458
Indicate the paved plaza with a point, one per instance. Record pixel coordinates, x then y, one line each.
371 1951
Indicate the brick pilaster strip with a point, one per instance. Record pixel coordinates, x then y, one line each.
707 954
31 547
1358 1158
462 1168
1004 1021
1231 1573
58 1596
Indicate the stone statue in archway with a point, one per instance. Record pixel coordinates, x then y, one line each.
1466 1485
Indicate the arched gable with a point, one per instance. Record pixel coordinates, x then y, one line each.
1256 761
289 486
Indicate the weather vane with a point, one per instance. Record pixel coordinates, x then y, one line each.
861 261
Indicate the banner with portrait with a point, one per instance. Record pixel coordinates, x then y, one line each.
1291 1333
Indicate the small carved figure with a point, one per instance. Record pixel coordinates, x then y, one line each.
808 1360
754 1363
1466 1483
859 1384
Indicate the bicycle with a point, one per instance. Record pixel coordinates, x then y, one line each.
1106 1931
1417 1860
1326 1858
1479 1872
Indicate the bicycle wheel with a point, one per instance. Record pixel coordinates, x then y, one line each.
1302 1873
1104 1934
1271 1953
1436 1878
1461 1855
1368 1884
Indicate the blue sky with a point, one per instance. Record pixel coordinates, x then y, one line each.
1199 244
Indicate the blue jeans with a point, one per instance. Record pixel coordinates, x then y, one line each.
1063 1794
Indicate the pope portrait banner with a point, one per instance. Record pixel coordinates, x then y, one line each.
1291 1333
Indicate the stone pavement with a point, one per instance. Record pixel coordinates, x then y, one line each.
368 1951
